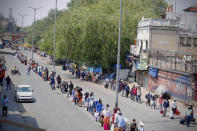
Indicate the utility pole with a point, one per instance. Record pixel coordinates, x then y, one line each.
33 37
54 42
118 56
22 16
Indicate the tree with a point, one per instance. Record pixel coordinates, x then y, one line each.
88 30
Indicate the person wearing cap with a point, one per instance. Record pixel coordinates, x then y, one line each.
141 126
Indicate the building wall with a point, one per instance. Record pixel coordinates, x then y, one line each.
177 84
187 20
188 44
164 39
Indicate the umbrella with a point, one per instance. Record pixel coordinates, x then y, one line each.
161 89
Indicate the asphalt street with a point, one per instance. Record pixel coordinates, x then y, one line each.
53 111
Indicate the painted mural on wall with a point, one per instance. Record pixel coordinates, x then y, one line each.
177 85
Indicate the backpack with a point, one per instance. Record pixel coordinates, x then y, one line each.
166 104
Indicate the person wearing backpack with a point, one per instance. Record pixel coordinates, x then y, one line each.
127 90
165 106
148 97
154 99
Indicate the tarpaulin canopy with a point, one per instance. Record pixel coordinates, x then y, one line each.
153 72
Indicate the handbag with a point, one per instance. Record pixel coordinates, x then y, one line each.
161 111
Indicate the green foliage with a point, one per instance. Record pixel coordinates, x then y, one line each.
88 30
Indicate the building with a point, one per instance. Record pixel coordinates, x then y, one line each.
169 45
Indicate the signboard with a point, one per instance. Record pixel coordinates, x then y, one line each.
143 61
163 42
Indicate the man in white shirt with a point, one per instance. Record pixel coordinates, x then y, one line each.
174 106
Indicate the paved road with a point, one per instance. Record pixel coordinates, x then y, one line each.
152 118
51 106
51 111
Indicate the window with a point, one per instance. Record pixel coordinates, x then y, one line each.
182 40
186 43
195 42
189 40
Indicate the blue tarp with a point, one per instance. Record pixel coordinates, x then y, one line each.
119 66
95 70
153 72
112 75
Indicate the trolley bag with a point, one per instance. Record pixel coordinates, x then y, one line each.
106 126
177 112
182 121
161 111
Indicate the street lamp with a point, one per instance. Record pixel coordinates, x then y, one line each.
22 16
34 9
54 42
118 56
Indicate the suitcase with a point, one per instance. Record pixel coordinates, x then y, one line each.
182 121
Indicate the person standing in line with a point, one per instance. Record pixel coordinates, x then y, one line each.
28 70
114 85
99 107
141 126
188 116
111 82
52 82
154 99
121 122
8 80
174 106
106 82
139 93
127 88
5 106
134 93
160 102
148 97
165 106
59 79
133 125
70 88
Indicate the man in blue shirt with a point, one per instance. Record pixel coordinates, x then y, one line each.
5 106
121 122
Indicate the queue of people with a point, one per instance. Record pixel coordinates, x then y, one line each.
108 118
103 113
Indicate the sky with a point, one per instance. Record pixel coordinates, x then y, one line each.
21 7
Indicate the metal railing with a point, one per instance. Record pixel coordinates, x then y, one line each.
172 60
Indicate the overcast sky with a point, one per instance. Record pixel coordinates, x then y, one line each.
21 7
